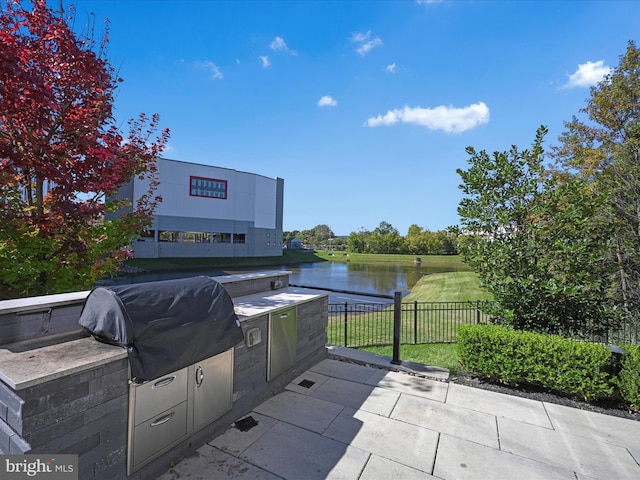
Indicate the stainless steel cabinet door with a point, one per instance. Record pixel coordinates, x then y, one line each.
212 381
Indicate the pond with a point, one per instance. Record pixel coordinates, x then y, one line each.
376 278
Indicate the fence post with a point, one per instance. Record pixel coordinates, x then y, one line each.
477 311
346 316
397 314
415 322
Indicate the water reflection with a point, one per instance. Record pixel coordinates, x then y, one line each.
382 278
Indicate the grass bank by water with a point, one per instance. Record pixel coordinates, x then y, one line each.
289 257
448 287
425 260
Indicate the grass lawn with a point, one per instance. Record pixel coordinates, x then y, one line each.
433 354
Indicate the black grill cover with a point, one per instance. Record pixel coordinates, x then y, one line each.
165 325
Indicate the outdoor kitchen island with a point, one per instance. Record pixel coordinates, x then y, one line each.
62 391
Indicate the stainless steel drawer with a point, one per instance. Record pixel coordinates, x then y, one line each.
151 437
160 394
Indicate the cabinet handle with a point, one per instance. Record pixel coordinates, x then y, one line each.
164 382
163 419
284 315
199 376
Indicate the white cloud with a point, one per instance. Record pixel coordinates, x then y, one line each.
360 37
265 61
366 43
391 68
216 74
327 101
279 45
588 74
450 119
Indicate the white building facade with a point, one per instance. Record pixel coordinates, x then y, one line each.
209 211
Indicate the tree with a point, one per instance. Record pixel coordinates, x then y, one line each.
604 151
62 157
386 239
531 242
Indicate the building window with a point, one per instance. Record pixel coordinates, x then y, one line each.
207 187
196 237
222 238
168 236
147 234
239 238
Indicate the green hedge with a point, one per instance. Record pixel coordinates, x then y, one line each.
516 357
628 380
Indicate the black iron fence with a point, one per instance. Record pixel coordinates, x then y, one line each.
353 324
367 324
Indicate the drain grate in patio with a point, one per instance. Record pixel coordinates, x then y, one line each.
306 383
246 424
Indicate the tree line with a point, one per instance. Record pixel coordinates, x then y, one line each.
383 239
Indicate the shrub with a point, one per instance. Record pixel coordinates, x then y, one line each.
628 380
515 357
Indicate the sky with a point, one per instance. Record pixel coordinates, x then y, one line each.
364 108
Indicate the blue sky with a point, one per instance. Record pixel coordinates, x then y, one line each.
365 108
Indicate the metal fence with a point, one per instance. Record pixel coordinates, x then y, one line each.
369 324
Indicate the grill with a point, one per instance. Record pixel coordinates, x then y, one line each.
179 336
165 326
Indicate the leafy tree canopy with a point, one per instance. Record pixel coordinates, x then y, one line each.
62 156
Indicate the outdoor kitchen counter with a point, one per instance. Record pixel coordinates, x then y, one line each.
23 365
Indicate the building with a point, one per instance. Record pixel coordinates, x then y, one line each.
209 211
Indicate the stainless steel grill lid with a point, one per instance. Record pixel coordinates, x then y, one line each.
165 325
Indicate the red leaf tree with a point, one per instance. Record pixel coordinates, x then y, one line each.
62 158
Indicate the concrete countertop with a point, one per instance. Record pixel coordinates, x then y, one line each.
22 368
262 303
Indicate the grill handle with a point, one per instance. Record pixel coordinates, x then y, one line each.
164 382
199 376
163 419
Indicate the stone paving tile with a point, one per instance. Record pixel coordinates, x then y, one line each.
208 462
344 370
516 408
379 468
404 383
357 395
457 421
590 457
594 425
398 441
306 412
459 459
294 453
